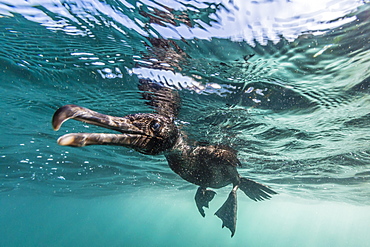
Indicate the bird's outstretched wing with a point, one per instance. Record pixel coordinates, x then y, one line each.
165 101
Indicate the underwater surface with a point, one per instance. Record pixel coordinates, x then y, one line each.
285 83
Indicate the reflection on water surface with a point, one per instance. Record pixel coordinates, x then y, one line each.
284 83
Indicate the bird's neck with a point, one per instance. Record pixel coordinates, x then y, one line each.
179 156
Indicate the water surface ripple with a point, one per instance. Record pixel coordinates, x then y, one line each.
288 89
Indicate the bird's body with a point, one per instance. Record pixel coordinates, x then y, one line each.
208 166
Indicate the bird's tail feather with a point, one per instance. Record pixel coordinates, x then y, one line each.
254 190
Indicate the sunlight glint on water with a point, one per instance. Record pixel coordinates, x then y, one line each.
285 83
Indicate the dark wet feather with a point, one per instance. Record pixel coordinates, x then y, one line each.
165 101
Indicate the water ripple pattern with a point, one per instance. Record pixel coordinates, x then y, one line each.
285 83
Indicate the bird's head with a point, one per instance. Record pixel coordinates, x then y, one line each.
145 132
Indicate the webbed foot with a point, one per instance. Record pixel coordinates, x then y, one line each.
227 212
202 199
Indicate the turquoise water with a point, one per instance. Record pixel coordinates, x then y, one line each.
285 83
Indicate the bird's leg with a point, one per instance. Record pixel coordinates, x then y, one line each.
227 212
202 198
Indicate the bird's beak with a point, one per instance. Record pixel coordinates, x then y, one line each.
133 135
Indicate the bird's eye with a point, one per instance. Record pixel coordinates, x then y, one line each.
156 126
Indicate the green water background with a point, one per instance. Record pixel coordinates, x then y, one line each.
288 90
151 218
